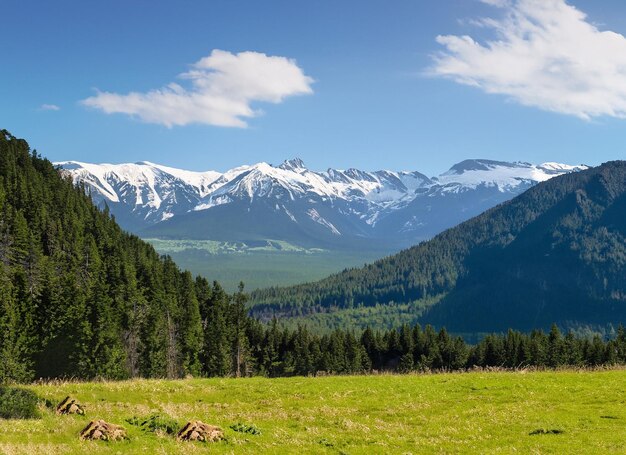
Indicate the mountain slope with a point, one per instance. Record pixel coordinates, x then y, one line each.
143 193
556 253
80 297
292 203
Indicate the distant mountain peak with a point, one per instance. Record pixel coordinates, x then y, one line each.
504 176
146 163
292 164
482 165
556 168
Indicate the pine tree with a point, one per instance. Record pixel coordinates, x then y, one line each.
241 359
216 354
191 337
555 347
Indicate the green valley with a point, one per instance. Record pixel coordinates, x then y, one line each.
260 263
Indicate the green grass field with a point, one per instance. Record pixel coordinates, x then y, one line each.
443 413
261 264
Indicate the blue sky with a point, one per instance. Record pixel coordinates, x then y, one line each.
379 99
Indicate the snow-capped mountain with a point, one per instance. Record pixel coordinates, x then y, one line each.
291 202
141 194
470 174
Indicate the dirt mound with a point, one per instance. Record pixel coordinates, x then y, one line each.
70 406
199 431
99 430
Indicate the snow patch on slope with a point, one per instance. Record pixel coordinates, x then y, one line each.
156 193
315 216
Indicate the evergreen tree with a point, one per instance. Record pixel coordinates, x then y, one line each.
190 327
241 359
217 350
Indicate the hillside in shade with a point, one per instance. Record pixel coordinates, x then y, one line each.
556 253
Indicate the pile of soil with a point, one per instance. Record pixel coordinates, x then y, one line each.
70 406
199 431
99 430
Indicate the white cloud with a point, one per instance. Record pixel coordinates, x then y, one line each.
222 88
546 54
49 107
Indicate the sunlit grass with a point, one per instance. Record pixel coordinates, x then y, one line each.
447 413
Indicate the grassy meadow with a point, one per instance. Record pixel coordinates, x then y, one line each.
260 264
494 412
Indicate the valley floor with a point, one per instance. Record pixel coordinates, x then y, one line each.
263 264
444 413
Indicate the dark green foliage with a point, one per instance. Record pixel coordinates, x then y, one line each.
556 253
283 352
78 296
155 423
244 428
16 403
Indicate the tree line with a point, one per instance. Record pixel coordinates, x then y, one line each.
275 352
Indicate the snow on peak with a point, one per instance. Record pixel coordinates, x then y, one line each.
480 165
156 192
560 168
294 164
505 176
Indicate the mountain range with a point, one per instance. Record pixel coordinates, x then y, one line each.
331 209
554 254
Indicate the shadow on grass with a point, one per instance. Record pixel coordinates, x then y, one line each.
17 403
545 431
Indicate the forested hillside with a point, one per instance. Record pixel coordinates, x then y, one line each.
79 297
557 253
